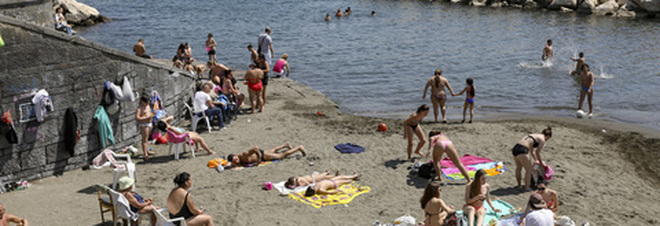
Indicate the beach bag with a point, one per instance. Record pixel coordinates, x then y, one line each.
426 170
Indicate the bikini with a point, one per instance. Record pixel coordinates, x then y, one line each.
444 143
184 212
586 89
469 100
519 149
414 126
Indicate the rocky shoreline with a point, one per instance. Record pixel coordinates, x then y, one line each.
613 8
80 14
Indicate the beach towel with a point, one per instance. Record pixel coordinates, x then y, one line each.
263 163
285 191
510 220
491 168
491 215
317 201
467 159
349 148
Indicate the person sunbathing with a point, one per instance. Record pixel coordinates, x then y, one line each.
256 155
6 218
477 193
164 126
331 186
136 202
294 182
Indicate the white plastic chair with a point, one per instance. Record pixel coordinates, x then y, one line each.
178 141
129 167
123 209
194 119
165 221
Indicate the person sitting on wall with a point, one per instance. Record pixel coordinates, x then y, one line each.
60 22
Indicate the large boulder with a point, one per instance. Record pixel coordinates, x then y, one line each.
587 6
78 13
607 8
558 4
650 6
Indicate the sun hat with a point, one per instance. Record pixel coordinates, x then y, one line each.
125 182
536 200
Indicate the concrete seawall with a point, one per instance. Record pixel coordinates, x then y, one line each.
73 71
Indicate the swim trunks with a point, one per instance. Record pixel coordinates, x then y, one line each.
470 100
211 52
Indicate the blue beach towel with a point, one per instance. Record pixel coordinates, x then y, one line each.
506 208
349 148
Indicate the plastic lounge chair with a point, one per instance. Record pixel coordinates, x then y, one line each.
178 141
196 117
129 167
106 203
123 210
165 221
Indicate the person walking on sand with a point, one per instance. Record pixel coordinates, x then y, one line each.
256 155
180 203
411 126
548 54
143 116
210 47
438 95
140 50
469 98
580 63
521 152
441 145
587 88
476 193
281 65
6 218
331 186
435 210
265 45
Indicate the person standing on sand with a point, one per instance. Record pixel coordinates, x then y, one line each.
140 50
143 116
263 64
441 145
438 95
469 98
587 88
210 47
254 56
435 210
253 81
5 218
521 152
579 65
411 126
548 53
265 45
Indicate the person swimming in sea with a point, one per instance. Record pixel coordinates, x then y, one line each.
327 17
469 98
548 53
411 126
578 67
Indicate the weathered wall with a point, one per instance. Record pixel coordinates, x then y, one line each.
39 12
73 71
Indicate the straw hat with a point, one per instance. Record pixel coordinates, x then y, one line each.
125 183
536 200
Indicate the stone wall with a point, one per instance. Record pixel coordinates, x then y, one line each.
73 71
39 12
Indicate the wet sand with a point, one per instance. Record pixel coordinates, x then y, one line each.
606 178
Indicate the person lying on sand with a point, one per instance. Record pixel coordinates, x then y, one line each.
256 155
330 186
294 182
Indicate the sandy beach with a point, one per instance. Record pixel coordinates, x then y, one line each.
606 172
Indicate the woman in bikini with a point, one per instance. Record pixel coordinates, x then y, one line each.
521 152
253 81
435 210
441 144
438 95
476 192
411 126
331 186
469 98
180 203
143 116
294 182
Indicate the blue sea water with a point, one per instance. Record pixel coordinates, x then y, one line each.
378 65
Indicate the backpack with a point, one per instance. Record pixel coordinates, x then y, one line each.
426 170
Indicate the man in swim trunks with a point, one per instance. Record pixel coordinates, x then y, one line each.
140 50
548 54
579 65
256 155
5 218
210 47
587 88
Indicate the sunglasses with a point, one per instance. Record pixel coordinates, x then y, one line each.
541 189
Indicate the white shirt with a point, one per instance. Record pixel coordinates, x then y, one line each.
265 41
199 104
543 217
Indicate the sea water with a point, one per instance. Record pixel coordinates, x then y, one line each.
379 65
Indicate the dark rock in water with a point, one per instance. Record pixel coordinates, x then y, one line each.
530 4
650 6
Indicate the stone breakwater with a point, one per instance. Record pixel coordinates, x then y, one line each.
614 8
80 14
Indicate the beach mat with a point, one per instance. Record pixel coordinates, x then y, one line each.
491 168
507 209
467 159
317 201
252 165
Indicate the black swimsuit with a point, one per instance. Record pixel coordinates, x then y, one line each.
520 149
184 212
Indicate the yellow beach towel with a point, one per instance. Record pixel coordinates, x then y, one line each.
317 201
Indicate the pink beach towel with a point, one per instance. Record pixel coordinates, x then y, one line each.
467 159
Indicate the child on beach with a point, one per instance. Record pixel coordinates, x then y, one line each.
469 98
411 126
210 47
579 63
143 117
